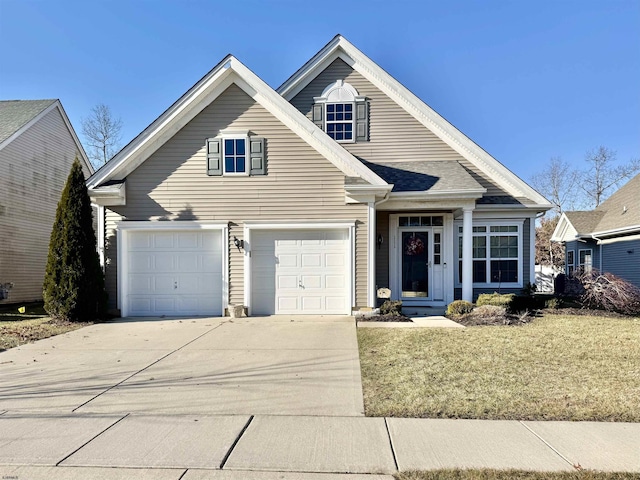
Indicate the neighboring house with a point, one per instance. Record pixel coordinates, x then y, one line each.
606 238
309 198
37 147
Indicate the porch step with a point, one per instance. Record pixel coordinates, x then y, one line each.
412 311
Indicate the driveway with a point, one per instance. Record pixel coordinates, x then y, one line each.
280 365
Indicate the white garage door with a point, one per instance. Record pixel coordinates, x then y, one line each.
174 273
300 272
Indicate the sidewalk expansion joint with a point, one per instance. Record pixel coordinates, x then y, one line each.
547 444
393 450
148 366
235 442
92 439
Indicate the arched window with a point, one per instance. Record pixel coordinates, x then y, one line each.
342 113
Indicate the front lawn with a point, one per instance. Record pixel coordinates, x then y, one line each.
555 368
513 475
18 328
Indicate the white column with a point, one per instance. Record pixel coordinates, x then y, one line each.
371 255
532 250
467 254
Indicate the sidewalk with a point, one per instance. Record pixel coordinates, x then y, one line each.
189 447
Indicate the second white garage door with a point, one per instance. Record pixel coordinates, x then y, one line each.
300 272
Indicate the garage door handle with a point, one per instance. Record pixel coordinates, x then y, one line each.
175 285
300 284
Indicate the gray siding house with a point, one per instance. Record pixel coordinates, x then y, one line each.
307 199
37 147
606 238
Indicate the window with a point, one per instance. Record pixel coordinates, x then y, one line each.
342 113
340 121
571 263
496 254
585 262
233 154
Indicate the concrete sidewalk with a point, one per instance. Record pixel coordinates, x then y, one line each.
108 446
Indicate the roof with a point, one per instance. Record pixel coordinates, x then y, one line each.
15 114
229 71
619 215
339 47
622 209
584 222
434 176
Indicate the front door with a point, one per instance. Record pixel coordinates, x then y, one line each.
421 264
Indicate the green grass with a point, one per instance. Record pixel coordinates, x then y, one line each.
555 368
513 475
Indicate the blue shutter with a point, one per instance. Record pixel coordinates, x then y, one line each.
214 157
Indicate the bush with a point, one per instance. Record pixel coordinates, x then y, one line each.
607 292
489 312
73 286
391 307
496 299
459 307
552 303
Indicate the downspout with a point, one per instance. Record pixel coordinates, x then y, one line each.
372 211
599 240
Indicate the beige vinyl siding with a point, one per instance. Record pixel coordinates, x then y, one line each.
110 255
300 185
394 135
34 168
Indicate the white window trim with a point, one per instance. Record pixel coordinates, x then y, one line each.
488 224
581 265
247 157
572 263
349 226
124 228
335 122
324 99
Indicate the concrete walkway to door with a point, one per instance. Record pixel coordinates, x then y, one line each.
279 365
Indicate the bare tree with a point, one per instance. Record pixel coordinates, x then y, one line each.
558 183
603 174
101 132
548 252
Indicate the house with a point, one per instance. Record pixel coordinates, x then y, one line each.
37 147
308 199
606 238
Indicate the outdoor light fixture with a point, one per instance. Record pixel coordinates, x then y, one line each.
379 241
238 243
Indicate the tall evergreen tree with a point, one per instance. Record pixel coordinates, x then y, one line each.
74 282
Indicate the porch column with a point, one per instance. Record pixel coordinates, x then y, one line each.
467 254
371 255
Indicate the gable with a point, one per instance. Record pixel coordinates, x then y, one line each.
395 135
173 181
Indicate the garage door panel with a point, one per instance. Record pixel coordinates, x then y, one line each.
300 268
175 273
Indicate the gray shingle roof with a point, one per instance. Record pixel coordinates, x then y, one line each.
14 114
614 213
419 176
584 221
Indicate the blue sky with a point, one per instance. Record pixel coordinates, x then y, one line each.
526 80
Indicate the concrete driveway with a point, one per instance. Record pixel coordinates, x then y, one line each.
281 365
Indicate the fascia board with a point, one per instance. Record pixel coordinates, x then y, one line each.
416 108
303 127
161 129
614 232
